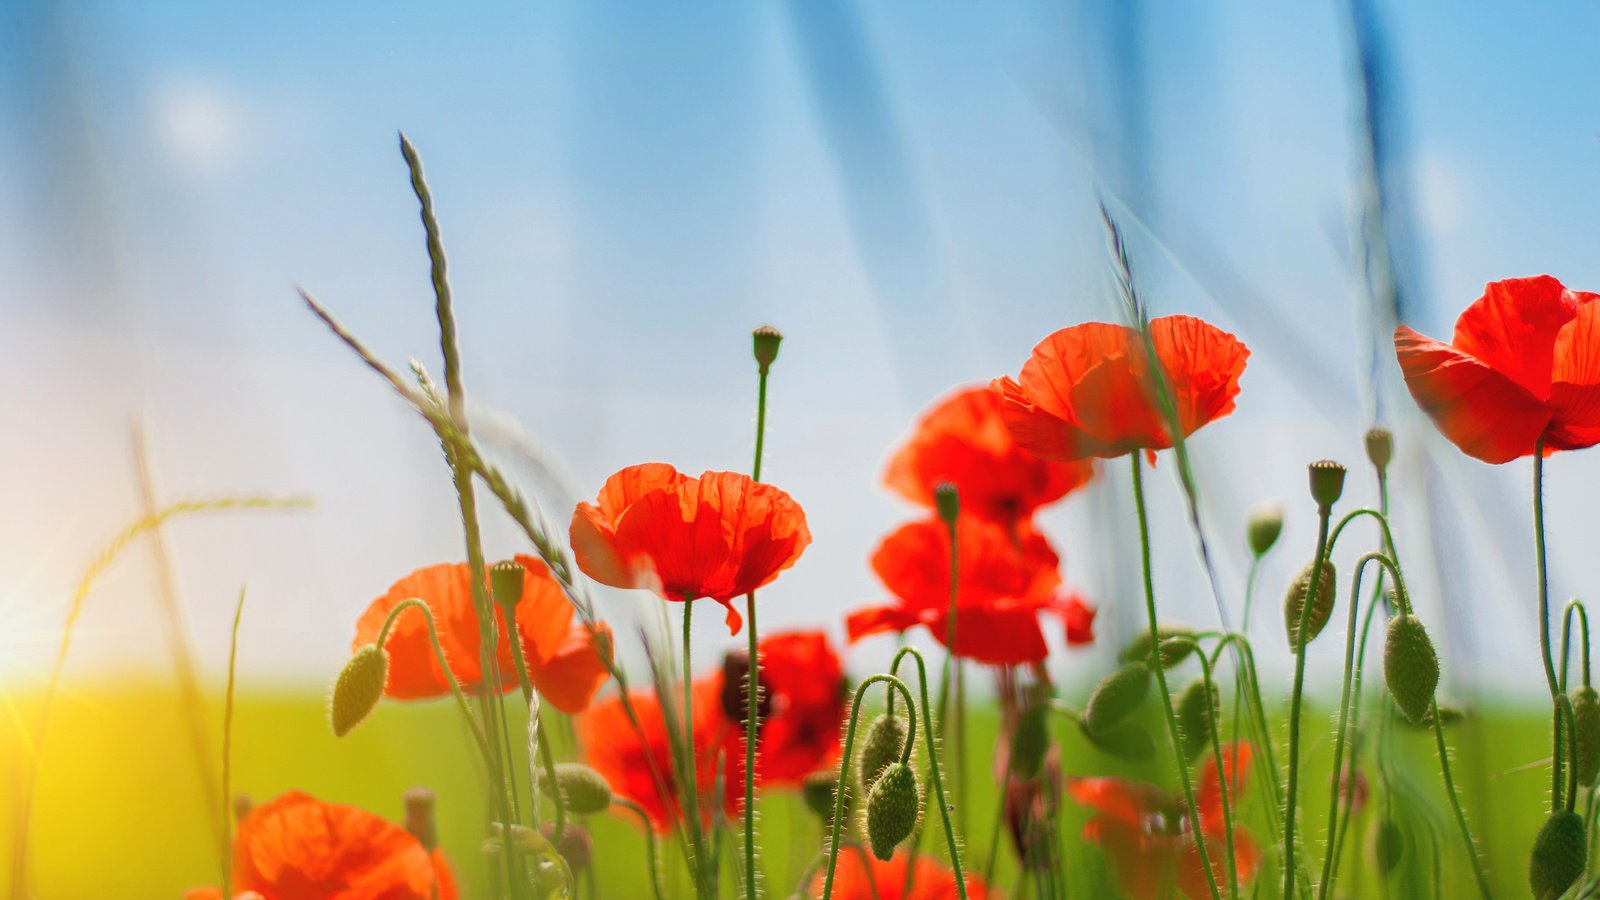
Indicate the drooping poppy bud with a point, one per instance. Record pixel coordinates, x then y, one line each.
735 700
1586 728
1261 530
1327 483
1294 601
584 790
1560 855
881 748
1117 695
359 688
505 583
1130 741
893 807
1172 652
820 790
574 844
1380 447
1198 709
1029 741
1410 667
420 819
1387 843
766 340
947 501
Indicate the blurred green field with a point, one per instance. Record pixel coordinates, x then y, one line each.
120 805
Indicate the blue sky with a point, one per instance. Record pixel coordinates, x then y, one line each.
908 192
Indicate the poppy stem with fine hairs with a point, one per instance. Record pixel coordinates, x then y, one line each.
951 844
1301 636
765 341
844 760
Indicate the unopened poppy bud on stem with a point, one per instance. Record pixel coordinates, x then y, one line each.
1380 447
893 806
1294 602
1410 667
584 790
1560 855
574 846
947 500
1586 728
885 739
766 340
1116 697
359 688
420 819
1327 483
1263 527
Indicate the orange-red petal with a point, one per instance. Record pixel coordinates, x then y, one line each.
1483 412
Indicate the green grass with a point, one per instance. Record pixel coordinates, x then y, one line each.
120 804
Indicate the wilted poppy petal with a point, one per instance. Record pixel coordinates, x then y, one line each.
1512 329
1481 411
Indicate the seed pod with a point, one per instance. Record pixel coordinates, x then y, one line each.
1130 742
1117 695
1172 652
359 688
1410 667
1199 707
1387 843
1029 741
886 738
1327 483
765 341
1380 447
1261 530
1586 728
420 819
947 501
505 583
893 806
584 790
1560 855
1294 601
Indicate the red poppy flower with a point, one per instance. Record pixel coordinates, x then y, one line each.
1146 833
618 751
721 535
860 877
963 439
1088 390
1005 579
299 848
563 660
804 683
1524 367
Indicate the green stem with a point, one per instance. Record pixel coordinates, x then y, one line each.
1294 702
752 721
651 859
691 776
1544 619
1349 795
444 666
845 757
952 676
938 780
1161 676
1455 806
227 754
1224 789
546 758
1574 605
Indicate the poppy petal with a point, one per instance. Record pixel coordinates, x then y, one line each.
1142 868
1513 327
1203 364
1077 618
1039 431
877 620
1575 387
1131 803
995 635
569 678
1486 414
1208 797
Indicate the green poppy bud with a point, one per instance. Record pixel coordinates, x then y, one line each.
1261 530
1586 728
1387 843
766 340
882 746
1029 741
1117 695
893 807
1172 652
1294 601
359 688
1410 667
1199 707
1129 742
583 790
1327 483
947 500
1560 855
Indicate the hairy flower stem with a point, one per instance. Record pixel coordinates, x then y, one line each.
705 877
1455 806
1302 632
546 758
954 727
651 859
1225 788
444 666
933 765
752 720
849 748
1161 675
1544 623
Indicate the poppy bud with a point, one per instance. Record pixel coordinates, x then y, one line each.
574 846
1560 855
1172 652
735 700
1117 695
1586 728
1327 483
1387 843
359 688
1321 607
1029 741
1130 742
1261 530
505 583
1198 710
766 340
886 738
1380 447
583 790
420 820
819 790
893 807
1410 667
947 500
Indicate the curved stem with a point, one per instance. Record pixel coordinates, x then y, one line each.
444 666
649 842
1572 750
1294 702
845 756
938 781
1259 725
1161 675
1224 789
1355 703
1574 605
